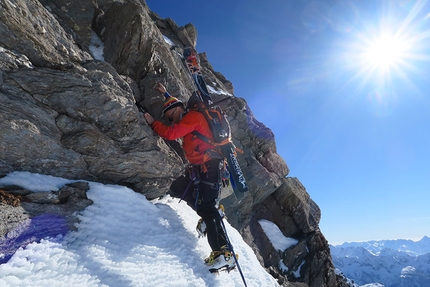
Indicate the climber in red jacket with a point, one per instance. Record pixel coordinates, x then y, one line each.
200 186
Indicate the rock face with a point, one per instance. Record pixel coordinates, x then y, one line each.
66 111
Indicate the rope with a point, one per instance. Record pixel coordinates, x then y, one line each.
193 179
185 192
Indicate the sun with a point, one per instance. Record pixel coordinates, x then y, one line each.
384 56
380 56
388 51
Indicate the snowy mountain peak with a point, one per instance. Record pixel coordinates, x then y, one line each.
393 263
403 245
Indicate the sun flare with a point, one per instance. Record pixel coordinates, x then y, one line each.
386 52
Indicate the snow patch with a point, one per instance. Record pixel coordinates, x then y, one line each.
282 266
407 271
168 41
212 90
97 47
278 240
33 181
297 272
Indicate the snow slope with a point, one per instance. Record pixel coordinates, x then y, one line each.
124 240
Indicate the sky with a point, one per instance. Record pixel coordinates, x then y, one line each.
122 239
344 87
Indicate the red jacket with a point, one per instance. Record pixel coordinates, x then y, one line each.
194 148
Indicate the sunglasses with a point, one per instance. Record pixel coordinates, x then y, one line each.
170 118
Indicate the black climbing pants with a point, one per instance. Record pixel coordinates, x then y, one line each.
201 190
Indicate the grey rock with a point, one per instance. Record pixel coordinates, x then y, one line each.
10 217
36 34
46 197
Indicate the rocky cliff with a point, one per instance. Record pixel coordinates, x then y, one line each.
68 110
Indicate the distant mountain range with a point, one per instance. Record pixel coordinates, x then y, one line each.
389 263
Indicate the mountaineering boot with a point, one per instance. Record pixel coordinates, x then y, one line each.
201 225
221 211
221 260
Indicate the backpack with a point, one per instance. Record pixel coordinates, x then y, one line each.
217 120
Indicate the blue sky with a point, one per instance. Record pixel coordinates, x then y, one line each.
344 85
